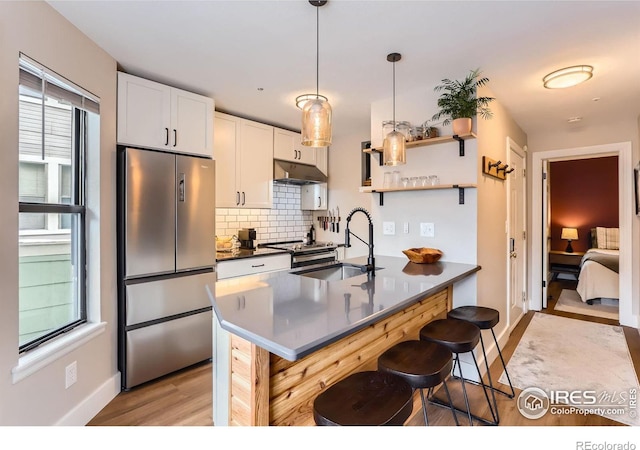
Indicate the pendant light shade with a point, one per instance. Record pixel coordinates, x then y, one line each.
316 112
393 147
316 123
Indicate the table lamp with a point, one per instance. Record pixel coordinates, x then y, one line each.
570 234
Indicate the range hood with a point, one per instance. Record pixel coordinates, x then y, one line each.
295 173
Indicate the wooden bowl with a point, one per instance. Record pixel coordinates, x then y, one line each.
423 255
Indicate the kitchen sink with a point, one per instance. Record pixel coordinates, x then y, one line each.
334 272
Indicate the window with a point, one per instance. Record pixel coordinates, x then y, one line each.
53 133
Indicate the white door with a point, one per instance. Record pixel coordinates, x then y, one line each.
516 189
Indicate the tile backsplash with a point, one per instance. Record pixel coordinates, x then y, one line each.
285 221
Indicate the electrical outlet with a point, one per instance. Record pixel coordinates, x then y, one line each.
71 375
427 230
405 228
388 228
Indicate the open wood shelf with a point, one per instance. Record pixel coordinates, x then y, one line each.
381 191
431 141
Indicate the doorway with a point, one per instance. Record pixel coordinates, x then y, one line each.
539 244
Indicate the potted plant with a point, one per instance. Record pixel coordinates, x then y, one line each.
459 103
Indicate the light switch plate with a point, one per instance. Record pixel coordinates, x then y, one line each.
427 229
388 228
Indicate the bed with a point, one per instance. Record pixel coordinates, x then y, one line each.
599 278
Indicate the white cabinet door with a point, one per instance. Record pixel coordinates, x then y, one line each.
226 140
287 146
250 266
144 112
313 197
256 165
191 123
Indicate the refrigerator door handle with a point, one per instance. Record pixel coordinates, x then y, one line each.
181 181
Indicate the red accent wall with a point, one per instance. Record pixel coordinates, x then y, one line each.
583 195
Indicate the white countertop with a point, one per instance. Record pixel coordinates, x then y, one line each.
292 315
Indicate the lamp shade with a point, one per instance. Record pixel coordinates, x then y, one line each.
316 123
569 233
567 77
394 150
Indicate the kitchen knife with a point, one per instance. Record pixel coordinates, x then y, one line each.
338 220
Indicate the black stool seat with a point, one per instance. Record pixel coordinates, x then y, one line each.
422 364
365 398
484 318
457 335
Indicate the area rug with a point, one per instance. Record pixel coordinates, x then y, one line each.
570 301
558 354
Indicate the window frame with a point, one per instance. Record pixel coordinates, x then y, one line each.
78 231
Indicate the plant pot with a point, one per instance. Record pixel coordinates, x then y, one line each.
461 126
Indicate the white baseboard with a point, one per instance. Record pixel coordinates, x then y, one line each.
93 404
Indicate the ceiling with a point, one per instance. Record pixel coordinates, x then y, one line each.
255 57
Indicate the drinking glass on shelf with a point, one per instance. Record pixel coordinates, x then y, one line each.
387 179
405 181
396 178
414 181
424 181
434 180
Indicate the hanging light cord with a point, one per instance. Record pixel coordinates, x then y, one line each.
317 51
394 96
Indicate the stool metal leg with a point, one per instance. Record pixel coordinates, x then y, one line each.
486 395
494 410
513 393
424 408
453 409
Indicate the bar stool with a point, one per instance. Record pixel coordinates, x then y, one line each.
459 337
424 365
365 398
485 319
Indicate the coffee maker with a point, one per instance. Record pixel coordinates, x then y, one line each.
247 237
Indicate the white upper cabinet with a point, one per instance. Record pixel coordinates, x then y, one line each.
287 146
153 115
313 197
244 162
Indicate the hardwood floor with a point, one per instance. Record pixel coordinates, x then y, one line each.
184 398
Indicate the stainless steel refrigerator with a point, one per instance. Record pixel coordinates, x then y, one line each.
166 258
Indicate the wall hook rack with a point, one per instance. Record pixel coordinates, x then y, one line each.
494 168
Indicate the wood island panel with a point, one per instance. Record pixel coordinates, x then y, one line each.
269 390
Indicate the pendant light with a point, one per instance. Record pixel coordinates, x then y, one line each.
316 112
394 153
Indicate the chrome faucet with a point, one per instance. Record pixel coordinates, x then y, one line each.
370 267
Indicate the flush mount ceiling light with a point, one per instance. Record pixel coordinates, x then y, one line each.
567 77
393 148
316 112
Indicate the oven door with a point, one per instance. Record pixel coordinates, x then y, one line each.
309 258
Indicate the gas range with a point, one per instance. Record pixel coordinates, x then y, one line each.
306 254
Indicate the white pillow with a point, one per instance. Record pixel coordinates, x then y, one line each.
608 238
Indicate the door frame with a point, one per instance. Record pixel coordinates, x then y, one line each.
512 145
625 201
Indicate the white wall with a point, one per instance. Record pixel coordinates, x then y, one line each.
41 399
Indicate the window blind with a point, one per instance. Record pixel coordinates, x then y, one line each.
32 76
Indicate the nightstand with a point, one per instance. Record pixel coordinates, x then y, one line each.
563 262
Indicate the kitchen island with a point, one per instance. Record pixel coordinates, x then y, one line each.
280 338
